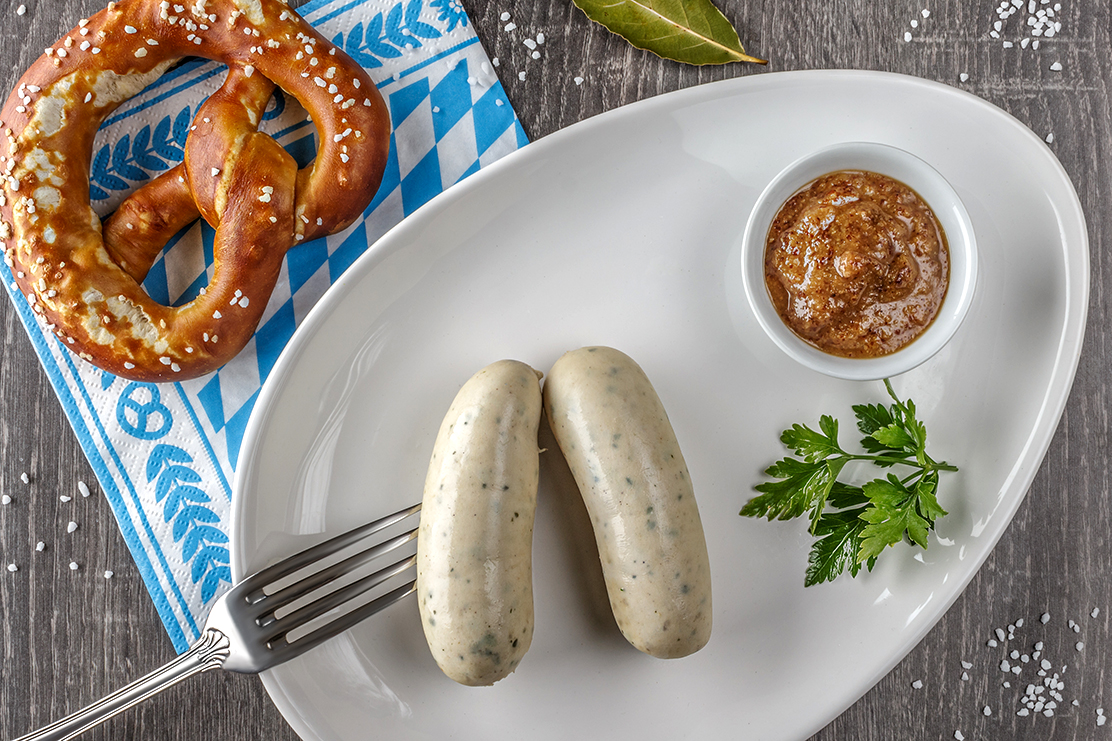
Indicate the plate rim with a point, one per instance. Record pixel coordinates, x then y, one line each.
1066 357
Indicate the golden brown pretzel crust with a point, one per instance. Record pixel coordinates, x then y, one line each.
82 279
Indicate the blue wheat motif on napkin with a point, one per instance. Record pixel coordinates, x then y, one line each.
387 37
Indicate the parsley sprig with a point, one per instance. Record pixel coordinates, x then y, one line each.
854 524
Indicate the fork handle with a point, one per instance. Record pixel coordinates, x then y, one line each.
209 652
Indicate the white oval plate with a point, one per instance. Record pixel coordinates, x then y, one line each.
624 230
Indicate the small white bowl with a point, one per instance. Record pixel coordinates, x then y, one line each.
938 194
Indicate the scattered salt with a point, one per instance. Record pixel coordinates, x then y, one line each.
65 498
504 17
5 499
963 77
73 565
108 574
83 488
40 546
1056 67
987 710
12 567
578 80
917 684
1045 618
20 11
1050 140
1080 646
958 735
71 527
907 36
25 478
1096 610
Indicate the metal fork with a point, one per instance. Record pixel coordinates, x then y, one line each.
244 634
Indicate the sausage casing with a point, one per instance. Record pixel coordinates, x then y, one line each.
474 546
623 453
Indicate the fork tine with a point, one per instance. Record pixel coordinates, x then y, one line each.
283 649
302 615
314 581
253 584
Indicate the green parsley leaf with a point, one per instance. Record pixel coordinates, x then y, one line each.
810 445
871 417
839 542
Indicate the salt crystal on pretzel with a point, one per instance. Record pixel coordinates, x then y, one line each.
83 277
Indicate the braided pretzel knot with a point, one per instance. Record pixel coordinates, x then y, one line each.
83 277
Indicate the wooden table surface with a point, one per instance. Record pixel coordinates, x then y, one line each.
68 637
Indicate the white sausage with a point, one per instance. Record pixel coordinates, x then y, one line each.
475 543
620 446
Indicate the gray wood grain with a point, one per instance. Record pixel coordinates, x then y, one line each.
68 637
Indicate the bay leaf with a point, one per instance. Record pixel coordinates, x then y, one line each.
688 31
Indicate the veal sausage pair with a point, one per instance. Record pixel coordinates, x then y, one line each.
474 551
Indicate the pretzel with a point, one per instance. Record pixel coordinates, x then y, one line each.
83 278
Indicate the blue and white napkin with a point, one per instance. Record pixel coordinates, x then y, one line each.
165 453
